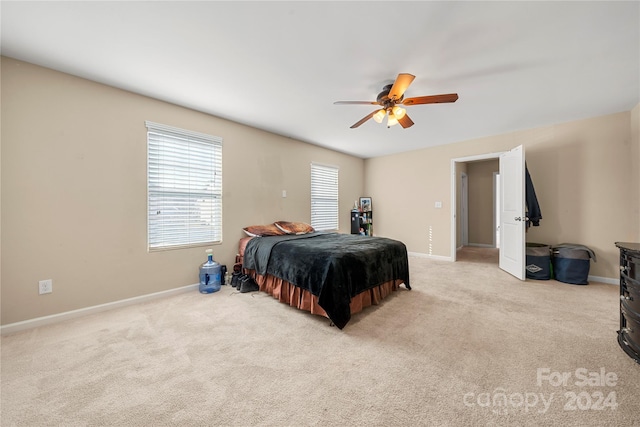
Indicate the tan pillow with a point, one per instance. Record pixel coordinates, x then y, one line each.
263 230
243 244
294 227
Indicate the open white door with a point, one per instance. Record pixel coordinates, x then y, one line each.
512 217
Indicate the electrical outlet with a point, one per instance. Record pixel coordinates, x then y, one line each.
45 286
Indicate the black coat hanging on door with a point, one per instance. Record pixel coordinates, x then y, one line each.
534 214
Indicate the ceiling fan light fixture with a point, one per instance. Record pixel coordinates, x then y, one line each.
399 112
393 94
379 115
392 120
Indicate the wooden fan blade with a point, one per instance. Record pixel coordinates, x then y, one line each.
356 103
405 121
400 85
431 99
364 119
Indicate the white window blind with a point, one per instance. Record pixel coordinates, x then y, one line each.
184 186
324 197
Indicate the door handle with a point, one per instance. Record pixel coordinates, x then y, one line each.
518 218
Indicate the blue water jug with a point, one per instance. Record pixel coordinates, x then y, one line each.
210 276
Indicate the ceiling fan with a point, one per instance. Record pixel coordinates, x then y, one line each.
393 95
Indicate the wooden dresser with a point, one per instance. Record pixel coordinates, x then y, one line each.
629 333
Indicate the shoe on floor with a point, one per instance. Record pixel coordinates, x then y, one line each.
247 284
235 279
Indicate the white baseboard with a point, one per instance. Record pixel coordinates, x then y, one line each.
55 318
606 280
421 255
481 245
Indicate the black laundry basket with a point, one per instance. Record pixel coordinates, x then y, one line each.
571 263
538 265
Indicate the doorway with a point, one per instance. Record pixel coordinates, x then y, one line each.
475 187
511 205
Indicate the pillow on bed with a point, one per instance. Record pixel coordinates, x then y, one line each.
242 245
263 230
294 227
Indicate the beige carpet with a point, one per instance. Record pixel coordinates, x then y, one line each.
464 347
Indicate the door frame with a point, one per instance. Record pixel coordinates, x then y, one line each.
464 208
496 209
454 189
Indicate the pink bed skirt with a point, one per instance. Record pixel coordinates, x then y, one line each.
302 299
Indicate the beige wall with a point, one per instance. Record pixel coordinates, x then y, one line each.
583 173
481 201
74 191
73 195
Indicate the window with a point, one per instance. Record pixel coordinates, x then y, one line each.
324 197
184 188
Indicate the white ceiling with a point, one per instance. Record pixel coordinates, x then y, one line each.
279 66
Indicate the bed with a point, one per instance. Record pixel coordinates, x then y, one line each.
330 274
